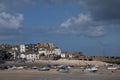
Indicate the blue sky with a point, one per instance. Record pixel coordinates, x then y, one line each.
89 26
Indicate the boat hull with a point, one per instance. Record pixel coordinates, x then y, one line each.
44 69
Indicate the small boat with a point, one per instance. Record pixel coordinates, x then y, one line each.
91 69
20 68
11 67
112 68
44 69
63 69
54 66
33 67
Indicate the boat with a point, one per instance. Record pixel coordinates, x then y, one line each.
44 69
34 67
63 69
54 66
11 67
20 68
112 68
91 69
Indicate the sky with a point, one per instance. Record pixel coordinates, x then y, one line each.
88 26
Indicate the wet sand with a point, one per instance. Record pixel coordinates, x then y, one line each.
53 74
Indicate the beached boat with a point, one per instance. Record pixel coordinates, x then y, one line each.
20 68
34 67
112 68
91 69
44 69
54 66
11 67
63 69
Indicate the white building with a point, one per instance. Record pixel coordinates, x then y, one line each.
63 55
22 48
71 55
55 51
14 51
31 57
32 52
22 56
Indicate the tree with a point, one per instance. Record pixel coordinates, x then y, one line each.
4 55
57 57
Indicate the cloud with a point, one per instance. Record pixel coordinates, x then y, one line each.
101 9
82 19
10 21
10 25
97 18
83 24
105 11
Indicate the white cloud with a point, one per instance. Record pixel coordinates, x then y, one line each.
10 24
67 23
82 24
82 19
8 20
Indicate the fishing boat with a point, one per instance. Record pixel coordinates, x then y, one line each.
44 69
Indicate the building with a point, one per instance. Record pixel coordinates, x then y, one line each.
28 48
15 51
22 48
48 49
30 57
6 47
65 55
11 48
33 51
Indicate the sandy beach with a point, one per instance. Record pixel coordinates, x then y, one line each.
53 74
75 72
76 63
